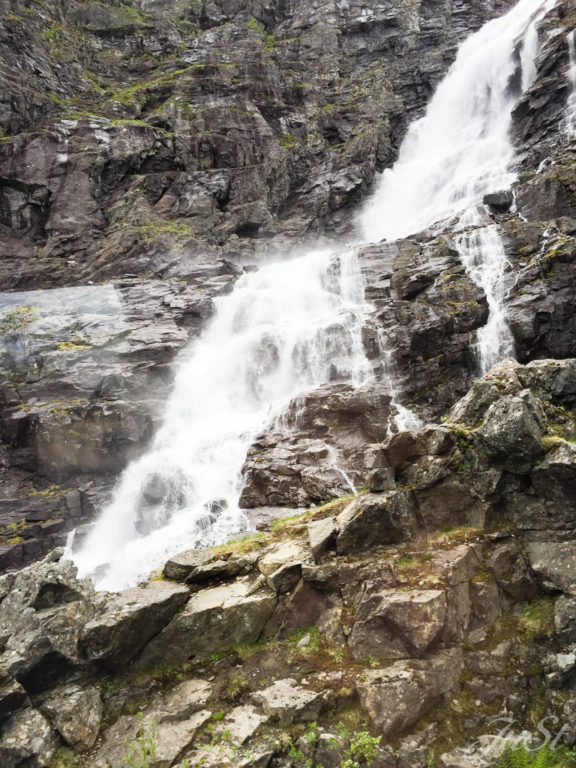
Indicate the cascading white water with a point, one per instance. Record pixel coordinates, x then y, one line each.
286 328
571 105
461 150
482 252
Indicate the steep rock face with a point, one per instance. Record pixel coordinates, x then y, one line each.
143 131
163 145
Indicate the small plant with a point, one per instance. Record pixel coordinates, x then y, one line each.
142 752
112 685
236 686
362 751
545 757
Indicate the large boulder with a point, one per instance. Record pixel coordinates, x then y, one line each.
554 564
512 431
41 619
213 620
76 713
396 624
128 620
288 702
28 740
375 519
397 697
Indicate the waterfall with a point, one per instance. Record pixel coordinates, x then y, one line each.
284 330
289 326
460 151
482 253
571 105
461 148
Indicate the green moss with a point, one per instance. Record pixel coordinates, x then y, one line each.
72 346
18 318
65 758
162 228
537 620
132 15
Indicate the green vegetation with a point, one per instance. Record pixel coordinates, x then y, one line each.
18 318
537 620
111 685
142 752
65 758
545 757
362 750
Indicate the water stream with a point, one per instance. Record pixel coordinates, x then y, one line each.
460 151
288 326
571 105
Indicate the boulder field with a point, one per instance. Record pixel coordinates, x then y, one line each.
400 621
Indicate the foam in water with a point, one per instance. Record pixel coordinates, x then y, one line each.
461 150
286 328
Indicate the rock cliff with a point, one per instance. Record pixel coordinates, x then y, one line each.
160 149
151 154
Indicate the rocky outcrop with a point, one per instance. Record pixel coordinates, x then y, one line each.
418 615
145 132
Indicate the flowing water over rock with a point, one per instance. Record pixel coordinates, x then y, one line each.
460 151
286 329
292 326
571 106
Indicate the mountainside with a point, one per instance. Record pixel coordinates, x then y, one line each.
167 146
219 319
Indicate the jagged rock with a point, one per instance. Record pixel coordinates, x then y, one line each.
512 432
289 703
372 520
499 201
12 695
382 479
28 740
328 751
490 663
554 478
392 624
565 619
401 448
282 565
180 566
42 617
396 697
456 565
76 713
172 736
554 564
322 536
485 603
213 620
220 569
129 620
448 503
242 723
